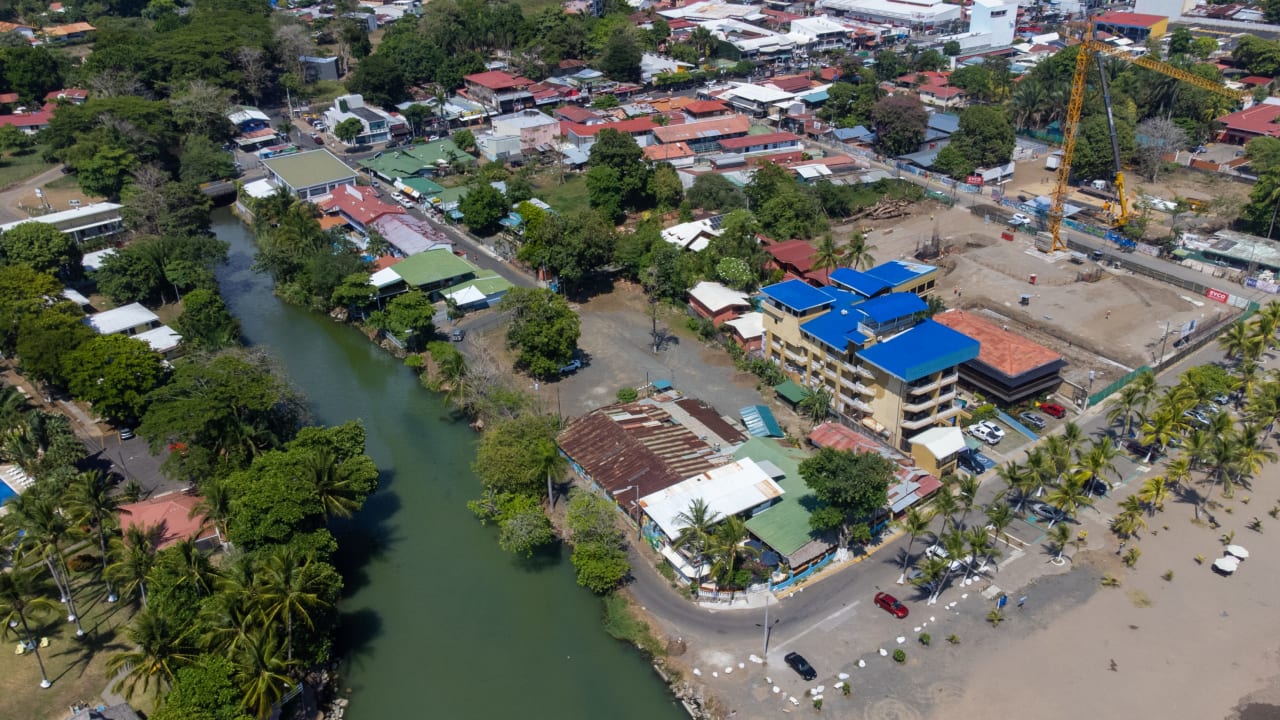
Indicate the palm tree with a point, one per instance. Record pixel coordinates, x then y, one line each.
215 506
44 528
136 561
946 505
914 523
13 408
1060 535
1251 455
1197 448
727 550
1020 480
1238 341
334 486
551 463
1223 458
981 546
816 405
1072 437
696 528
1154 492
290 589
1127 405
828 256
1069 496
91 502
1099 460
1040 467
191 567
932 570
234 609
999 517
956 545
262 674
1126 524
1158 432
858 253
162 649
967 486
21 601
1178 471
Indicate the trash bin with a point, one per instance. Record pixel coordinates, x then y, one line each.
1032 279
1024 300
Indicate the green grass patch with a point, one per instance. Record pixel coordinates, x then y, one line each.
565 197
622 624
18 168
66 182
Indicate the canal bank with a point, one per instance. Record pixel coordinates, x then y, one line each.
437 620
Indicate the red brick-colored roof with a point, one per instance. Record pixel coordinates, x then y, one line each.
704 129
671 151
1257 120
72 94
1008 352
626 127
706 107
1256 81
1128 19
780 16
829 74
576 114
794 253
171 513
359 204
791 83
8 98
838 437
27 120
497 80
753 140
385 261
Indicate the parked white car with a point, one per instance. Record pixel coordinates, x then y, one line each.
1019 219
980 431
993 429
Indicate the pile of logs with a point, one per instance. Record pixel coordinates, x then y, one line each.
883 210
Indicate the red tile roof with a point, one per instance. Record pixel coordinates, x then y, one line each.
829 74
8 98
781 16
67 94
704 130
576 114
1128 19
791 83
672 151
838 437
794 253
1007 352
1257 120
171 513
1256 80
497 80
635 125
754 140
27 120
706 107
359 204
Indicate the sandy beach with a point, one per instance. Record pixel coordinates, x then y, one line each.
1197 646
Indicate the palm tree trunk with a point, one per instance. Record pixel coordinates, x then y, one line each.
35 648
102 544
288 624
57 580
71 599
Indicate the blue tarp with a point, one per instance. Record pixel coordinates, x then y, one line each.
759 421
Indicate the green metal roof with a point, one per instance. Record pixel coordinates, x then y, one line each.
488 283
423 185
306 169
433 267
791 392
405 162
785 526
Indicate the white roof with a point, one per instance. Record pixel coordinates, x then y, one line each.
161 339
467 295
260 188
693 236
749 325
75 297
716 297
89 211
384 278
923 10
727 490
712 10
93 260
941 442
122 318
758 93
818 25
246 114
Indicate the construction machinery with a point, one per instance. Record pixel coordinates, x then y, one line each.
1092 51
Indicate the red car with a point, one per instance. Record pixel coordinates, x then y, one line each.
891 605
1054 409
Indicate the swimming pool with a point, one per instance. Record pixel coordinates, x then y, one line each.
6 492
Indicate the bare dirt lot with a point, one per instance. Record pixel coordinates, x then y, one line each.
1109 325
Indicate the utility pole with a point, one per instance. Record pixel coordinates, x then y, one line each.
1163 340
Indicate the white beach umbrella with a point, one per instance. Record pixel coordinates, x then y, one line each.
1238 551
1227 564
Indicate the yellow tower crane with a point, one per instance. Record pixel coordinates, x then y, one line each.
1092 50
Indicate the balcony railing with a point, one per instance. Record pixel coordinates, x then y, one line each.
932 385
926 404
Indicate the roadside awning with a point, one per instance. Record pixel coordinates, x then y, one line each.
791 392
760 421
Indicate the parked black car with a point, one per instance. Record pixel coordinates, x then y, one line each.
801 666
969 463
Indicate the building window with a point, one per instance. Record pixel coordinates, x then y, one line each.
999 13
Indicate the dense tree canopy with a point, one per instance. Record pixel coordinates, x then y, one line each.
851 487
985 139
544 330
43 247
900 121
114 373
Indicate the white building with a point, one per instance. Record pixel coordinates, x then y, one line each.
739 487
908 13
128 319
86 222
991 25
375 123
820 33
694 235
1164 8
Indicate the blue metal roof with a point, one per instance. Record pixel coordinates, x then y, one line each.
837 329
854 133
887 308
923 350
859 282
896 272
797 295
815 97
946 122
760 422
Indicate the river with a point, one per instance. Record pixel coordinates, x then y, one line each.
438 621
